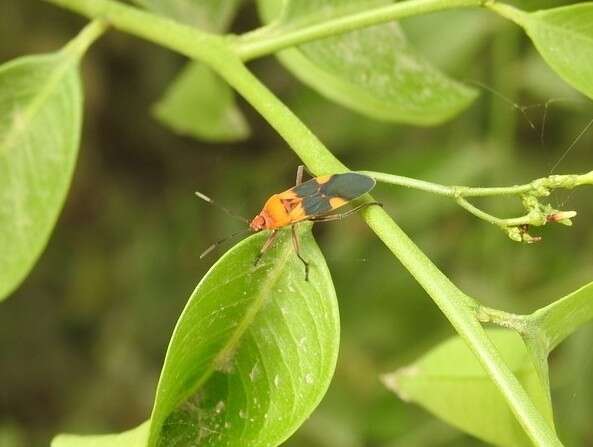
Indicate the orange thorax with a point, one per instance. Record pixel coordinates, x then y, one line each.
279 210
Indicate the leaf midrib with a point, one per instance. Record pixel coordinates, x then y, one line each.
252 310
34 106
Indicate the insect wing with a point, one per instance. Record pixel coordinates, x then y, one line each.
347 186
324 194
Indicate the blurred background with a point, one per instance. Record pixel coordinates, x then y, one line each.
83 339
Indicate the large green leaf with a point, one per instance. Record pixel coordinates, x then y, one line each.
252 353
564 38
40 124
373 71
198 103
450 382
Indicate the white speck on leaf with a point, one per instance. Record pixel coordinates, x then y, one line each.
254 373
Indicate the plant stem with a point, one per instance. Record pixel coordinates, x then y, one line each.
86 37
270 39
180 38
457 306
510 222
502 318
538 186
412 183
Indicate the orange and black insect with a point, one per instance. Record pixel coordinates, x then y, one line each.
314 200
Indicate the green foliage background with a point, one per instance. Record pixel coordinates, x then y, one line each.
82 342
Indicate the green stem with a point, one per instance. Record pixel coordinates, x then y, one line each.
502 318
86 37
412 183
271 39
457 307
180 38
477 212
540 186
528 219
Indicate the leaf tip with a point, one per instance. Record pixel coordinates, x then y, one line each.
393 381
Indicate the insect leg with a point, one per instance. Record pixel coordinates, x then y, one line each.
300 171
297 248
341 216
264 247
299 175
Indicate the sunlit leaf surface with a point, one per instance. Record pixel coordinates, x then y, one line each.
40 123
449 382
252 353
561 318
564 37
373 71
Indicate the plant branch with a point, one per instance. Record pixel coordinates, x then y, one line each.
456 306
86 37
502 318
539 187
273 38
510 222
165 32
537 214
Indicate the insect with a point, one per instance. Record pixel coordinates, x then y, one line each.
313 200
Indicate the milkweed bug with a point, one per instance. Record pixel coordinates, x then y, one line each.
313 200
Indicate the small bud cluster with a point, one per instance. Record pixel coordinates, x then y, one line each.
538 215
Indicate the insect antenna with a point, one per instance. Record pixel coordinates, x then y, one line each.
220 241
220 207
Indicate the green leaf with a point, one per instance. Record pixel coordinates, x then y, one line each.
373 71
137 437
547 327
557 321
564 38
200 104
252 353
450 382
41 110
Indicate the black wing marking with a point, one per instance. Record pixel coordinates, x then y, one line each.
316 196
